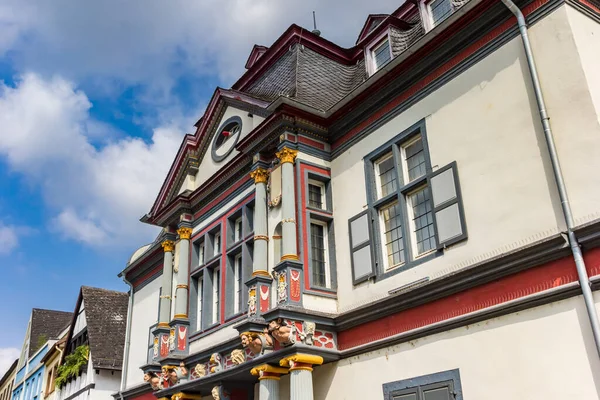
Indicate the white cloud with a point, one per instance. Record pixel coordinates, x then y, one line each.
8 239
97 195
8 355
153 41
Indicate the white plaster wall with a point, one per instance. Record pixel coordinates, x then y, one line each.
107 383
577 127
217 337
537 354
207 166
144 315
80 323
486 120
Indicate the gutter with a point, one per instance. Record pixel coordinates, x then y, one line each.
582 275
127 338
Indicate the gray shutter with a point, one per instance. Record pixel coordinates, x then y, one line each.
448 212
361 247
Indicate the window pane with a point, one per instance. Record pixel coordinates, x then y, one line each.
238 230
238 284
392 235
199 303
387 176
437 394
317 239
415 160
215 316
382 54
422 220
440 10
315 196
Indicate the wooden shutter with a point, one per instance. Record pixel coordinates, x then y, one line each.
448 212
361 247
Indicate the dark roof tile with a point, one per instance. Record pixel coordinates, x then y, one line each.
46 325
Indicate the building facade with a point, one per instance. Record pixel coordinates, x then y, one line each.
97 334
45 327
416 217
7 381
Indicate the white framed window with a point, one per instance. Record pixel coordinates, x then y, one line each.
237 230
316 194
321 271
237 283
200 292
385 175
217 244
392 237
413 160
380 54
440 10
420 217
216 281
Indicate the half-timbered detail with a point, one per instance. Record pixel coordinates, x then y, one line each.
402 219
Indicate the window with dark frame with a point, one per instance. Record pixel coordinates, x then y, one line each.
381 54
237 279
315 195
440 10
414 212
216 294
319 262
439 386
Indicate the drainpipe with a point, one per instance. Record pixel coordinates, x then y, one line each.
584 281
127 338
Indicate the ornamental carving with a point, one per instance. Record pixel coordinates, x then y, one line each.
252 301
219 393
168 246
215 363
308 331
281 286
154 380
172 375
238 356
184 233
172 339
287 155
282 332
260 175
257 343
199 371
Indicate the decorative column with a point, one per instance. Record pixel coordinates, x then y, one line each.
178 340
288 203
164 314
301 382
288 271
181 296
269 381
259 286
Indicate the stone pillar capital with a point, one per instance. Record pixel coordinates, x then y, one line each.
168 246
184 233
287 155
301 362
267 371
260 175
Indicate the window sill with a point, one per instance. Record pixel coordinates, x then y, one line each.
322 292
319 210
406 266
235 246
216 327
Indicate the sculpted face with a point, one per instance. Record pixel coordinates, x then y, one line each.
245 340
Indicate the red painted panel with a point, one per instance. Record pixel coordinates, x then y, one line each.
311 143
145 396
590 5
547 276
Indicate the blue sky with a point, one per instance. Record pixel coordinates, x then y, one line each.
95 98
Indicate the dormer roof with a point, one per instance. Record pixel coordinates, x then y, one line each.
255 54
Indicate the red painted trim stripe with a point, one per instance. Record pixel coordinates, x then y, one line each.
143 278
535 280
216 201
311 143
590 5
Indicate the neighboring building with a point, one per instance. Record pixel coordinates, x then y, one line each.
7 381
43 329
51 362
99 324
384 221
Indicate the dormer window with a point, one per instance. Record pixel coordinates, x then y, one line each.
381 54
440 10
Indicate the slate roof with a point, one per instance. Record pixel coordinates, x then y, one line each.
106 318
309 78
46 325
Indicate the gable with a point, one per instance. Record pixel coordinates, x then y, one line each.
219 147
80 322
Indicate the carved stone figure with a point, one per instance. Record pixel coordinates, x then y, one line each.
215 363
199 371
282 332
308 331
281 288
258 343
154 380
172 339
218 393
238 356
182 372
252 301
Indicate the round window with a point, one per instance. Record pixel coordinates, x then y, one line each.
226 138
